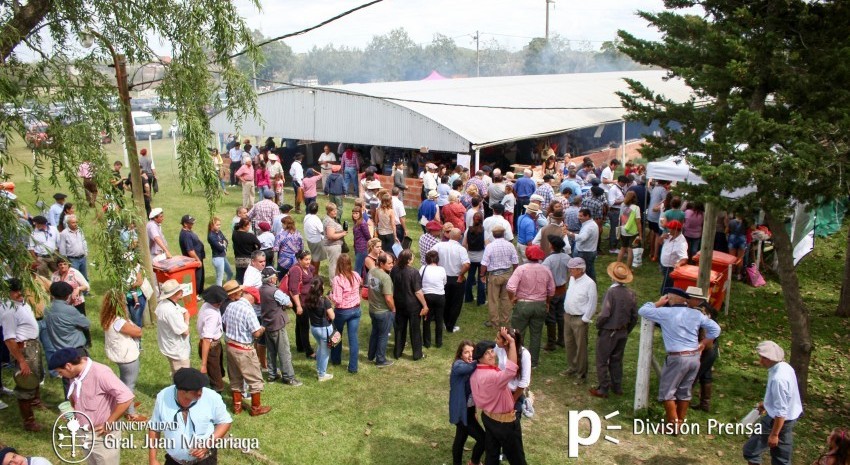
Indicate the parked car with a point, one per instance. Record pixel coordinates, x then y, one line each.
36 135
145 125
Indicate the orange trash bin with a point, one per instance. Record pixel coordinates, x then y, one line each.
687 275
179 268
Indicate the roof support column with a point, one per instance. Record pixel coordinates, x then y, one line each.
477 162
623 144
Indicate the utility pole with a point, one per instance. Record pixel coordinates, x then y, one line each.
547 18
477 55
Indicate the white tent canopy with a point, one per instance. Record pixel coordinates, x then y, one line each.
679 170
451 115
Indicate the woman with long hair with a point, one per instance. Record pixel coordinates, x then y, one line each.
385 221
244 244
334 235
261 179
692 228
218 245
320 311
371 260
67 210
410 305
287 243
630 228
122 344
361 238
838 449
461 407
434 288
345 295
519 384
473 241
300 283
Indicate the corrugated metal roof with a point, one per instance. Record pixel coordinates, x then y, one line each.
413 114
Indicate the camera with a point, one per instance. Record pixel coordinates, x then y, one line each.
345 225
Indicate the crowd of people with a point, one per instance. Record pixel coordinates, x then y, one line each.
523 244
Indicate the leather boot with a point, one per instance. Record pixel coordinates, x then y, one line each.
26 413
550 337
560 324
237 402
256 408
704 397
682 410
36 401
261 355
670 415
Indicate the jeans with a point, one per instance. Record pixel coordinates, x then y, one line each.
320 334
49 350
262 191
80 265
137 314
614 223
222 268
693 245
279 355
349 177
757 444
381 325
129 373
589 261
471 280
352 317
359 260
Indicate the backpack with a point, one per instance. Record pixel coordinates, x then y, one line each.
284 283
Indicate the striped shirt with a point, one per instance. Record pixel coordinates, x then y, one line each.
499 255
240 322
287 245
426 242
545 191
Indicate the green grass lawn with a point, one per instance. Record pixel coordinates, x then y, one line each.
400 415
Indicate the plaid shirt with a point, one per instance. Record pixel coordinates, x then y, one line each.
264 210
479 183
545 191
596 205
287 245
240 322
426 243
571 218
499 255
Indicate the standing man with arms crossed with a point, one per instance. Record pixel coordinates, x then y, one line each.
616 320
579 306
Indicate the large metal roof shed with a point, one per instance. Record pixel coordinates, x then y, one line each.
451 115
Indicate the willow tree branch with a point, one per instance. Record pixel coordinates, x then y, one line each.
21 25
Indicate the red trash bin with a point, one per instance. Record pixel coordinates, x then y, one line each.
179 268
724 264
686 275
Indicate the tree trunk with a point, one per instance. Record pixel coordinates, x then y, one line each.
24 20
844 301
798 314
706 250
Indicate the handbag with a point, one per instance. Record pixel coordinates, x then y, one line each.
364 293
755 277
345 248
333 339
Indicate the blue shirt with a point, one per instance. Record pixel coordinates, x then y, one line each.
782 397
525 187
65 324
428 209
54 213
573 185
459 390
443 197
680 326
208 412
526 229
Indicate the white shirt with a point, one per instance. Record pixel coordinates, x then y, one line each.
43 241
398 208
615 196
72 243
325 159
674 250
523 379
471 213
236 154
313 229
491 223
452 256
587 237
606 175
433 279
782 396
266 240
253 277
297 172
18 321
169 330
581 298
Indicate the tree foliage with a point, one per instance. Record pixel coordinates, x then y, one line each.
773 97
202 33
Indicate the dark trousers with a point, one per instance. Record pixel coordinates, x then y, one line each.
199 279
589 261
86 331
756 445
665 278
454 301
706 361
240 273
436 308
403 319
504 437
211 460
215 366
521 202
302 334
234 166
476 282
463 432
610 346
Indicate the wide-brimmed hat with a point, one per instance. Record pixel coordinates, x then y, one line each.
430 166
169 288
374 184
274 157
620 272
232 286
695 293
536 198
675 291
432 194
532 208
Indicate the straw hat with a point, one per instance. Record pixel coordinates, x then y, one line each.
169 288
432 194
232 286
532 208
620 273
695 293
374 184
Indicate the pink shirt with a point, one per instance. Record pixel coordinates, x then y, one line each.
245 173
532 281
261 178
309 185
693 224
345 293
490 389
100 392
85 170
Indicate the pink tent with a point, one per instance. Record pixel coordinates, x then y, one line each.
435 76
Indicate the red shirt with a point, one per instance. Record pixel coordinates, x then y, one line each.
455 214
490 387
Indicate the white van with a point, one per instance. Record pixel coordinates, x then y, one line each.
145 125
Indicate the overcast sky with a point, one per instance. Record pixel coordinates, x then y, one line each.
579 20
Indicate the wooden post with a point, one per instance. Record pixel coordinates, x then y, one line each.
709 227
644 364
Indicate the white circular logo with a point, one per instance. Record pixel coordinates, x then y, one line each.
73 436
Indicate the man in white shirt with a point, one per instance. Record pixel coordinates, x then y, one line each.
782 406
156 241
172 328
297 173
20 331
674 252
72 245
579 305
274 167
325 160
400 213
586 241
314 232
497 219
455 259
253 274
607 175
43 245
616 195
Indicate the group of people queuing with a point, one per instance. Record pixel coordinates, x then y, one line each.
525 245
